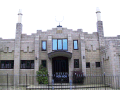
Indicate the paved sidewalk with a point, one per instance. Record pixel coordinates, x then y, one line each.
45 87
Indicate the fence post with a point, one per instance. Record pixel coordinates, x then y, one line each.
104 81
48 81
53 84
61 81
7 81
70 84
75 80
26 81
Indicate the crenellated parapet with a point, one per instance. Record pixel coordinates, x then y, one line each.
61 30
91 41
27 46
7 45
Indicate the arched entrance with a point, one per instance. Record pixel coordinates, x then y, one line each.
60 69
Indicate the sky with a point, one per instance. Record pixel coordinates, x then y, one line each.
40 15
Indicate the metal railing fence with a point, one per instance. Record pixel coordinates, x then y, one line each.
65 82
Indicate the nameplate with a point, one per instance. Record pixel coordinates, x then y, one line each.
59 31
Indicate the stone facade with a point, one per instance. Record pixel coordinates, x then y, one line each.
91 48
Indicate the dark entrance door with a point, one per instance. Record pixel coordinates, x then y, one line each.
60 69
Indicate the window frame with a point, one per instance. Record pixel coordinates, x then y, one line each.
62 44
42 45
26 64
97 64
57 44
75 63
10 62
45 63
86 64
77 44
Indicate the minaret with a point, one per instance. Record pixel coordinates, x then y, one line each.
17 48
99 23
100 36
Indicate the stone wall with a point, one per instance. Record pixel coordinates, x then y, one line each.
3 76
30 76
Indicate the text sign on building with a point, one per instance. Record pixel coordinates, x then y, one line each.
59 31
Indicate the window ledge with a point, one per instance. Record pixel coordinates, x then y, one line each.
43 51
6 69
75 49
26 69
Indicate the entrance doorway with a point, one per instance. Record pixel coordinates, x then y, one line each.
60 69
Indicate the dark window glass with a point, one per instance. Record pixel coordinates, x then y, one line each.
87 64
64 44
59 44
75 44
2 64
23 64
76 63
11 64
44 63
7 64
43 45
54 44
97 64
32 64
27 64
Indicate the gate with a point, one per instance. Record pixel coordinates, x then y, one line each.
60 69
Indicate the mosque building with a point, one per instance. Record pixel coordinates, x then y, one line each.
61 51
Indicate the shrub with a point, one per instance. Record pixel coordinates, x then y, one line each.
79 77
42 75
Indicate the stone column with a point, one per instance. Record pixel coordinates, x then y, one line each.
82 44
71 63
36 62
101 40
70 43
17 53
49 62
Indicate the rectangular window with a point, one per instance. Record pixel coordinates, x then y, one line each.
97 64
54 44
6 64
75 44
65 44
32 64
76 63
27 64
87 64
44 63
44 46
59 44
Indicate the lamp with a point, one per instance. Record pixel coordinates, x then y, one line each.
83 57
36 58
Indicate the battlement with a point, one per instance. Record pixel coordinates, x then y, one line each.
88 36
6 40
110 38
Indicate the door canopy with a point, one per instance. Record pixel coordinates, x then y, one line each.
59 53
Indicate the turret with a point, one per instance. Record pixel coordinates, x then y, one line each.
20 16
98 14
99 23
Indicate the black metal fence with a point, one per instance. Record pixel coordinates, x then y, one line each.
77 82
